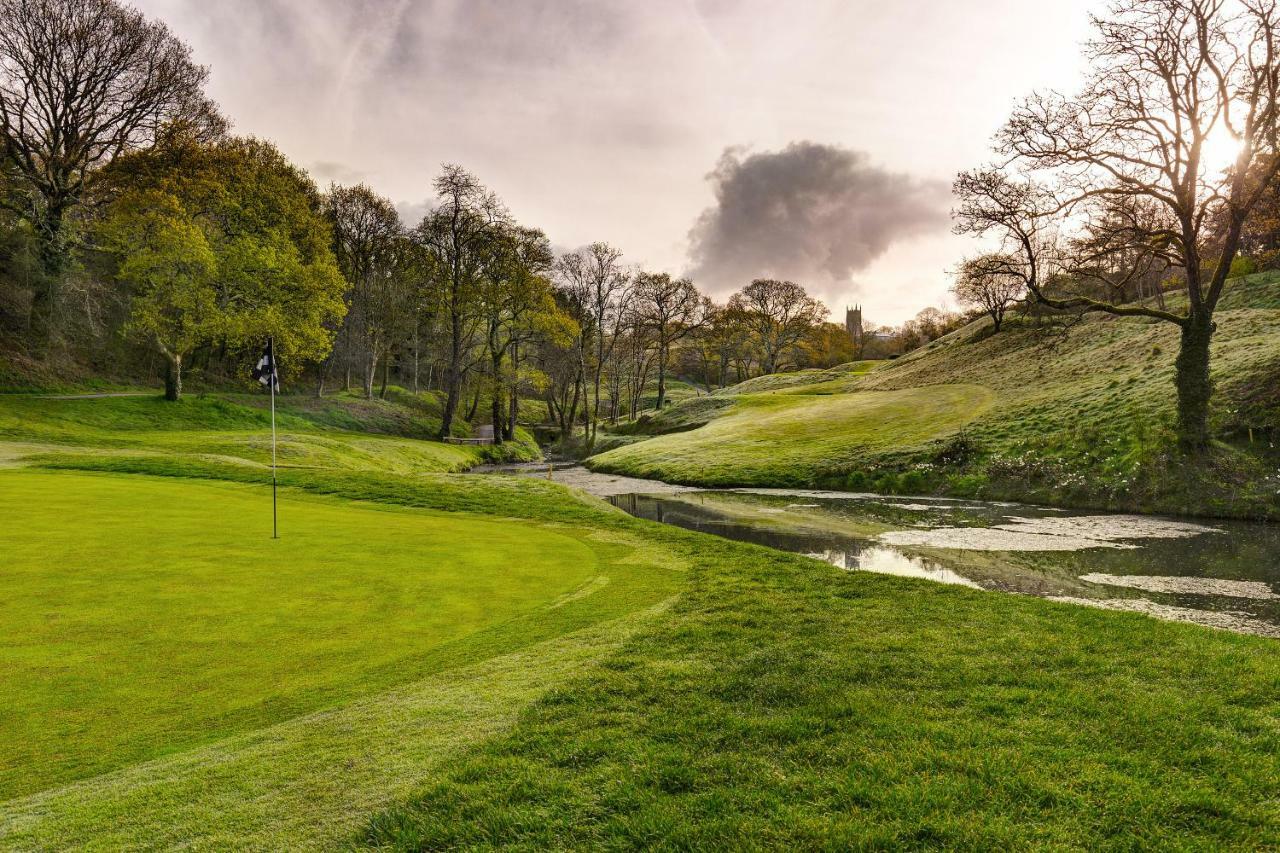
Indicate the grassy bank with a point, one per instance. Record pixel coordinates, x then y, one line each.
337 432
1071 412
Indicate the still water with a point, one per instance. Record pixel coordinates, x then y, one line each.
1219 573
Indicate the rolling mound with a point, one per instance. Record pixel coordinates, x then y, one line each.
1064 410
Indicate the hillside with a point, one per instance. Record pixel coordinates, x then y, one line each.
1070 412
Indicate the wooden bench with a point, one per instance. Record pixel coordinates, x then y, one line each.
484 435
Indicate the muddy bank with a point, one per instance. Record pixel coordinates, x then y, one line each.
570 474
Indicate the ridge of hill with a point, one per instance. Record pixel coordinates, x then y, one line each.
1069 411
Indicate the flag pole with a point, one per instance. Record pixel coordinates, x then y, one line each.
271 348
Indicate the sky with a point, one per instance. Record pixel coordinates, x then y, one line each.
812 140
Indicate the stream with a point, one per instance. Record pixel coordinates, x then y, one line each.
1222 574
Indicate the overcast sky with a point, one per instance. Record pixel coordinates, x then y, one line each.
729 139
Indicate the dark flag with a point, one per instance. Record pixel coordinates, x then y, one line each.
266 372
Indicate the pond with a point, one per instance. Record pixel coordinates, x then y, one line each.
1223 574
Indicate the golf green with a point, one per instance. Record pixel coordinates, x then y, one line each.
144 616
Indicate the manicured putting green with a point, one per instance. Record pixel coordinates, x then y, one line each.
143 616
782 438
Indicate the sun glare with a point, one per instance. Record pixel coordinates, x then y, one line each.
1220 151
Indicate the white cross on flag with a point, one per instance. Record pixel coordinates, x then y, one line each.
265 372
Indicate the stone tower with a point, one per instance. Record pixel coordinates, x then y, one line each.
853 324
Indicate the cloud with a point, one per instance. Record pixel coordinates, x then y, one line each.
324 171
812 213
413 212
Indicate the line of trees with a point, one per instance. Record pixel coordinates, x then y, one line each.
137 234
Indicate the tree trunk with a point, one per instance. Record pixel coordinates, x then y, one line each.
386 376
514 410
453 377
475 407
499 429
1192 380
417 360
662 375
52 257
325 367
173 378
496 397
370 371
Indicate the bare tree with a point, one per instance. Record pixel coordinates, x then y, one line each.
987 283
82 81
671 308
458 234
779 314
601 289
1168 76
366 230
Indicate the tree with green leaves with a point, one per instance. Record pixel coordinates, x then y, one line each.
221 243
458 234
514 290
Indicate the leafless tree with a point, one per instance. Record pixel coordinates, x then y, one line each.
779 314
82 81
986 282
1168 76
670 308
366 233
458 233
600 287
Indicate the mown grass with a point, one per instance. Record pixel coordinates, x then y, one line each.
199 625
1080 413
784 704
156 617
774 701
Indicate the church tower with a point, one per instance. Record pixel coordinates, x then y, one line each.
853 324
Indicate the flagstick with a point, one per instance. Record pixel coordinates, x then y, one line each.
275 527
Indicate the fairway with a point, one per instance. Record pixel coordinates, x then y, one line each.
781 438
147 616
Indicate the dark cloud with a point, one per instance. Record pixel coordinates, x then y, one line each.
812 213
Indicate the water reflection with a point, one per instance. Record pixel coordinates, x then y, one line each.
890 561
850 531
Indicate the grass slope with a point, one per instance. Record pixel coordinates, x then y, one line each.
1070 414
336 432
780 438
